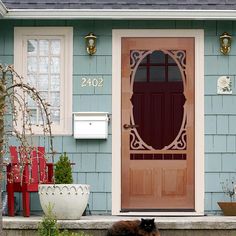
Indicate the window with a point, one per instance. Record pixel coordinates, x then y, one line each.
43 56
158 67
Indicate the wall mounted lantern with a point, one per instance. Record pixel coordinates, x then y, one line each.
225 43
91 43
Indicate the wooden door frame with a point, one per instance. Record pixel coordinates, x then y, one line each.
199 115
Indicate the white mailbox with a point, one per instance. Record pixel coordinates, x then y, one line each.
91 125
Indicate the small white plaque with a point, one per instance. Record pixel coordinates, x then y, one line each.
224 85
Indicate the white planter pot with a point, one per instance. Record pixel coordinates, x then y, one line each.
68 201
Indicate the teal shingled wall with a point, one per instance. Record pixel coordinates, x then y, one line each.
220 115
93 158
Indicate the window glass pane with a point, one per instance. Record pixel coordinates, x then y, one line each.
157 57
31 102
44 95
55 82
157 73
55 65
33 116
41 118
141 74
144 61
174 73
32 79
32 47
55 99
32 64
43 73
171 60
43 47
55 115
55 47
43 83
43 64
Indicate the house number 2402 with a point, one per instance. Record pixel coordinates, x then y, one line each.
94 82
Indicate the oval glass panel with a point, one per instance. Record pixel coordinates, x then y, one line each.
158 100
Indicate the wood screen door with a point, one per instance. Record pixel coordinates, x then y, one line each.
157 124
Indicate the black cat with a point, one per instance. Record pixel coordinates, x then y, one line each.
145 227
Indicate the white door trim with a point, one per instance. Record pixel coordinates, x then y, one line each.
199 115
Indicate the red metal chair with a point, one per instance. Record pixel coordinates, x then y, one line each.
24 173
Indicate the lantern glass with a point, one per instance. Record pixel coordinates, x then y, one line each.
225 41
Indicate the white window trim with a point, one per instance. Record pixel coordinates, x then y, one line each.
199 115
66 86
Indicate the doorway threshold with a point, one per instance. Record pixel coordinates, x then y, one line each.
161 213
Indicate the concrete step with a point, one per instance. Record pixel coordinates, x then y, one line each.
98 225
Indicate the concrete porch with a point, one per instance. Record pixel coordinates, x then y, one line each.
98 225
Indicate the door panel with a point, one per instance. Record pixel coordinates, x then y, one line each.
173 182
141 182
157 123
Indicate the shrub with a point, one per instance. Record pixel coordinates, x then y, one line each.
63 170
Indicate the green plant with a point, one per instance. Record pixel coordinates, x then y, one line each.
48 226
63 170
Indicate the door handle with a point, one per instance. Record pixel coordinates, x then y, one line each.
127 126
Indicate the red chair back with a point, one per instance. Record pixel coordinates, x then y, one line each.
34 167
